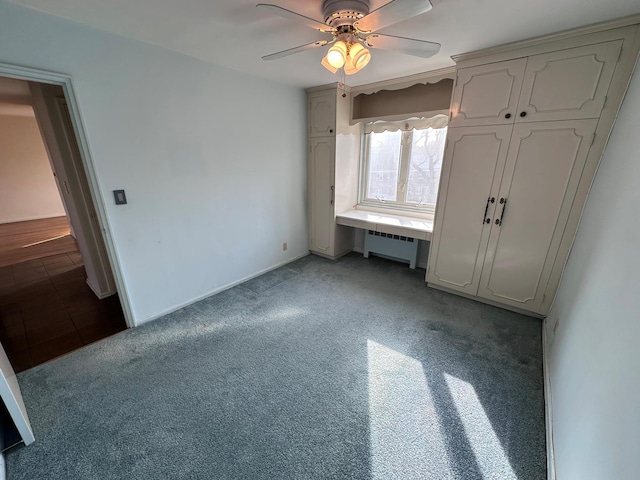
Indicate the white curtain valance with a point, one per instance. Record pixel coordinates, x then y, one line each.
437 121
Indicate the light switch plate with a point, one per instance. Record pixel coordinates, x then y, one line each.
121 198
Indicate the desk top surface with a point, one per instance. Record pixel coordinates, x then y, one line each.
367 219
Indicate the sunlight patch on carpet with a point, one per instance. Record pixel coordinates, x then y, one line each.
487 449
405 431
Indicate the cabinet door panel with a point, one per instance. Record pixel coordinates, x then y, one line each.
485 94
322 114
568 84
540 180
321 175
473 163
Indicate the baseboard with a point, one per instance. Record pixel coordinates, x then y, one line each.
548 405
27 219
486 301
98 293
333 257
218 290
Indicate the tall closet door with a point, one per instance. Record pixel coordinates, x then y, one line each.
487 94
473 164
541 177
321 194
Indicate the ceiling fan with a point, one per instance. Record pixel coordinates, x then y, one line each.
352 27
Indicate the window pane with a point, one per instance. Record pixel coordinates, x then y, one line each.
427 149
383 165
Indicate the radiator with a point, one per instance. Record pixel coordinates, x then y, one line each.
394 247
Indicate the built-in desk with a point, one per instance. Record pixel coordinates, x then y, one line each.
387 223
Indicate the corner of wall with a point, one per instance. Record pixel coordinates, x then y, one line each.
548 399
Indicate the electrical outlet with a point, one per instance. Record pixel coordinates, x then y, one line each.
284 247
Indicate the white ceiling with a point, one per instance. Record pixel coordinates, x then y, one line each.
234 33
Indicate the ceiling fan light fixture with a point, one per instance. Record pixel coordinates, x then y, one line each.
360 56
337 54
325 63
349 66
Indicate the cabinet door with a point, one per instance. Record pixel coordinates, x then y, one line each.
568 84
540 180
321 194
487 94
322 114
473 163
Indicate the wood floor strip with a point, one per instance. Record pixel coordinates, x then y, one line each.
23 241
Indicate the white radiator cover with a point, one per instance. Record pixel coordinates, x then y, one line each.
394 247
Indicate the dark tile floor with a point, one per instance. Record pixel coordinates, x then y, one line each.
47 310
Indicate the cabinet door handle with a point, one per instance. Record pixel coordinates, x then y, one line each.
503 201
333 194
486 209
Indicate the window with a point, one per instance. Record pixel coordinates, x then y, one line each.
402 163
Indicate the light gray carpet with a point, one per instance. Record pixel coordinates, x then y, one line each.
352 369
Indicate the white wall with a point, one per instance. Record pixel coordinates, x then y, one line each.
27 188
594 357
213 161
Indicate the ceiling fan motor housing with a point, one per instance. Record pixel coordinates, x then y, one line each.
344 12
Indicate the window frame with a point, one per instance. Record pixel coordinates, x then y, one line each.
403 173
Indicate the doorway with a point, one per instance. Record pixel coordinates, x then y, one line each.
57 290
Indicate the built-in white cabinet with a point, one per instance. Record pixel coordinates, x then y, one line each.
538 186
333 158
322 113
526 135
487 94
321 193
474 157
565 84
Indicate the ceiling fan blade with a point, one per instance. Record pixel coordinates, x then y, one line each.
393 12
283 12
291 51
410 46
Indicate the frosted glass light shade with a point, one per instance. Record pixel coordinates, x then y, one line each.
349 67
337 54
360 56
325 63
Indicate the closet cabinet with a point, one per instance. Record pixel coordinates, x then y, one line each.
566 84
333 156
526 135
321 194
538 186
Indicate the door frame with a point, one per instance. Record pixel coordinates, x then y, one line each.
96 198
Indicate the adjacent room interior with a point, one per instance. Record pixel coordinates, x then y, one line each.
234 246
49 309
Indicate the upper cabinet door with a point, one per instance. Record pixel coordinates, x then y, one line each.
568 84
540 180
473 165
322 114
487 94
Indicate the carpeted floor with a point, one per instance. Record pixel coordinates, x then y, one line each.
353 369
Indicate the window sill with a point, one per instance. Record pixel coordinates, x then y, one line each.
407 226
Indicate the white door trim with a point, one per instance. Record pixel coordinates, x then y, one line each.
12 398
65 81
